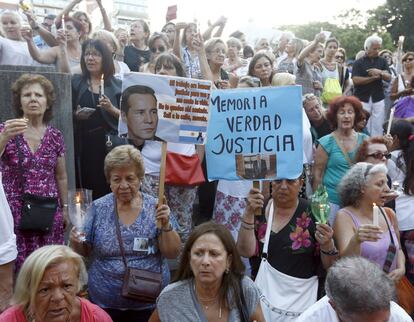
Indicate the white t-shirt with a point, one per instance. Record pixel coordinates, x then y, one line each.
14 52
151 153
8 250
404 203
322 311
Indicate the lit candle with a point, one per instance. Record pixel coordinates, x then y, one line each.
390 120
63 22
102 85
375 214
78 207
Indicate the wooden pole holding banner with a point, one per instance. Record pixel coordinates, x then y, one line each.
256 185
161 198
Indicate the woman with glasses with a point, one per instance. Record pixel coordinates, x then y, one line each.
169 30
296 247
360 230
401 86
336 151
401 172
96 112
158 44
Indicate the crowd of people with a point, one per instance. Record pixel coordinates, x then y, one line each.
221 250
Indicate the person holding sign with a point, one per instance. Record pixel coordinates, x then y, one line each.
292 236
362 189
121 234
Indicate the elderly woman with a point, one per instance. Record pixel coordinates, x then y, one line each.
358 229
233 63
46 289
13 48
33 160
308 74
137 53
121 232
287 64
401 172
210 283
401 85
95 125
336 151
357 290
216 51
313 108
295 247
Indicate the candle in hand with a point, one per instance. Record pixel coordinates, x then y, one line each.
102 85
63 22
390 120
375 214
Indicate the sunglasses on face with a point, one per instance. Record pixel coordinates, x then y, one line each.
380 155
339 57
161 49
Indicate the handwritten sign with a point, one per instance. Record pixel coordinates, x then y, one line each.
255 134
177 112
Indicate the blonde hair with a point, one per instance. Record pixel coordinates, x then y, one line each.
34 267
283 79
122 156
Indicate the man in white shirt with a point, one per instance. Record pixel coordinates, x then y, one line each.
357 291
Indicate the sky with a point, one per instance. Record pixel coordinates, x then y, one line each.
256 14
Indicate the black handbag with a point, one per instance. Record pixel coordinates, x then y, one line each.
139 284
38 212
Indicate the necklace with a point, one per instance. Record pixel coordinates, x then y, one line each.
208 301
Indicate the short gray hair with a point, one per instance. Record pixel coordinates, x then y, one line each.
357 285
351 185
371 40
34 267
122 156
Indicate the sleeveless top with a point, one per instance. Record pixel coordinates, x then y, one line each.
326 73
376 251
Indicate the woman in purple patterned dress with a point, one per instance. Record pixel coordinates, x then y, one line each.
43 159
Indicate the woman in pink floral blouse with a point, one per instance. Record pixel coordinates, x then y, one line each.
295 246
42 159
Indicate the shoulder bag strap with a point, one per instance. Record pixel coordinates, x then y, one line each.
268 229
118 234
348 159
20 163
392 249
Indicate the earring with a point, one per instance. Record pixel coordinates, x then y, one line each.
227 270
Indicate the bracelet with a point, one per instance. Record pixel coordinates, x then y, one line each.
332 252
247 223
166 230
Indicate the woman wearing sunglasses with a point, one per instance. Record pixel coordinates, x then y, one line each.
401 85
374 150
158 44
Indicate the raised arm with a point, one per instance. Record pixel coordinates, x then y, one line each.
46 35
105 18
220 23
319 38
62 64
46 56
65 12
177 45
198 44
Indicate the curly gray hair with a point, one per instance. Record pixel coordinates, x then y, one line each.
351 185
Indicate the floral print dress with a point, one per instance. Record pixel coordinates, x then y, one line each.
40 179
293 250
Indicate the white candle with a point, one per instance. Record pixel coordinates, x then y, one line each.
375 214
102 85
390 120
63 22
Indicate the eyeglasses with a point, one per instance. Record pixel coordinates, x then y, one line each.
161 49
408 60
93 54
380 155
339 57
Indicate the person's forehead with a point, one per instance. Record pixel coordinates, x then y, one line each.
374 147
138 97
